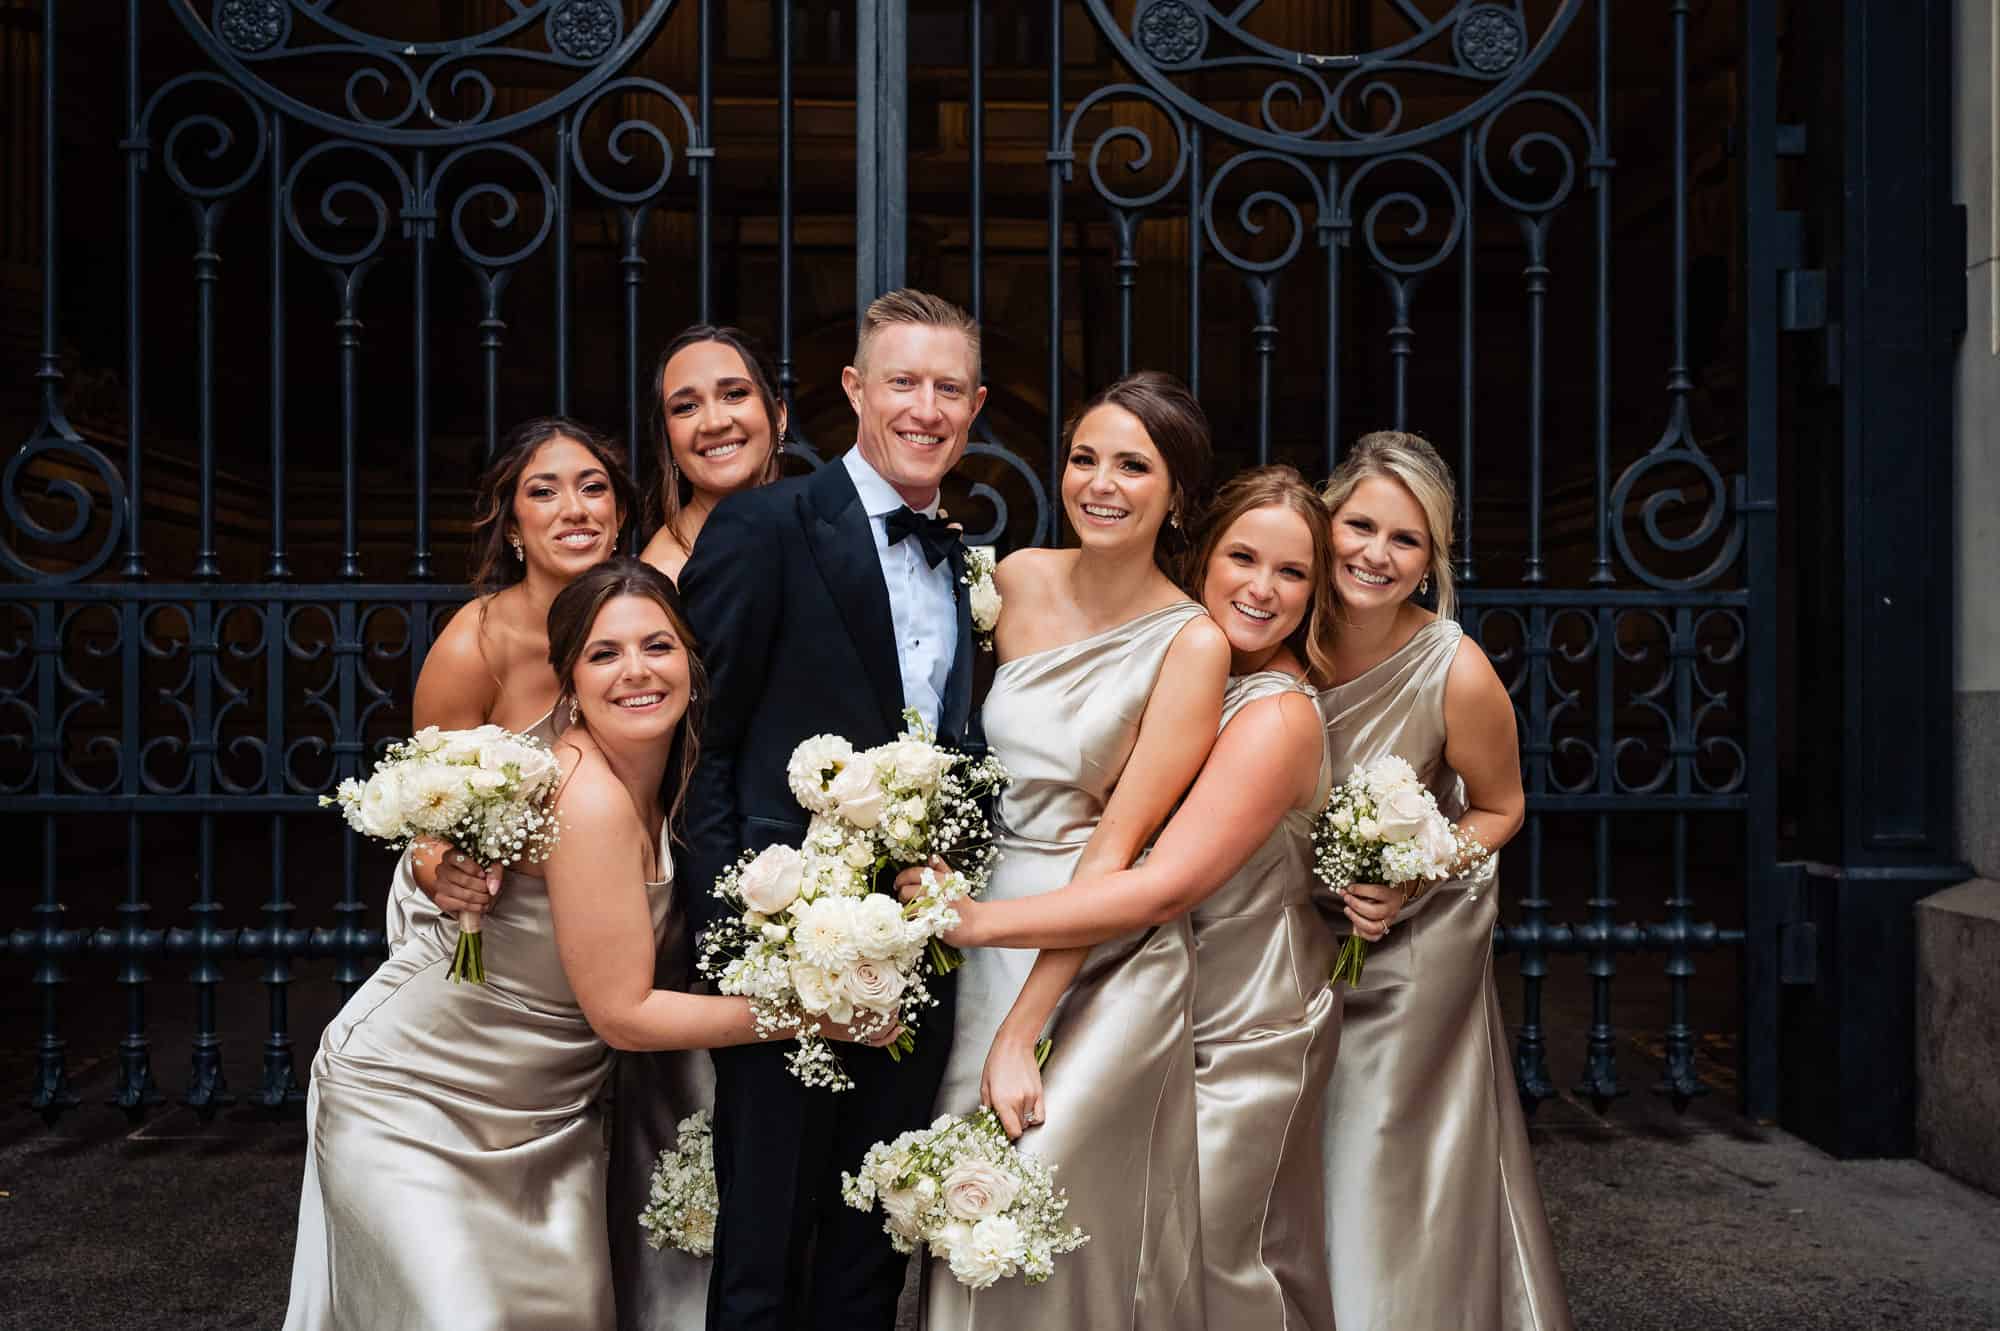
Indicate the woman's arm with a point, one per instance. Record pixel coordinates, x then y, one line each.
1482 747
455 690
1175 735
1265 764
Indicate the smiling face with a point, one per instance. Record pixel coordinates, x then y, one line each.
914 403
1115 485
631 682
1259 582
718 432
566 513
1381 545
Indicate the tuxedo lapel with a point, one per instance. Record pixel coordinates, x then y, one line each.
844 548
956 708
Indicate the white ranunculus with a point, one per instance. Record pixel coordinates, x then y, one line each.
976 1189
878 925
814 763
770 883
380 813
901 1207
1400 813
857 795
872 984
823 933
995 1247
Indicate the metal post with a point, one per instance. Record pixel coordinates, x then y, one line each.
881 153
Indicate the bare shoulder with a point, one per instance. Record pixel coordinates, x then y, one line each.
1023 575
1472 684
665 553
595 810
462 661
1283 727
1200 648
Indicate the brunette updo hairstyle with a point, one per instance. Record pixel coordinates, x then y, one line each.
1278 486
572 616
1178 427
493 564
671 492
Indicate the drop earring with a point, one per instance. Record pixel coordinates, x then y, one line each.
572 711
520 554
1424 587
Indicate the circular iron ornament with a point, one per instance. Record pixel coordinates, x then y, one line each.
584 29
1490 39
252 26
1170 32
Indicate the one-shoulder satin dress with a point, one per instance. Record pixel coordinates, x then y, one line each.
1266 1029
1118 1090
1434 1216
456 1171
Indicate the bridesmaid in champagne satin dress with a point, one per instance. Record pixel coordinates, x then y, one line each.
1236 863
1434 1213
1102 709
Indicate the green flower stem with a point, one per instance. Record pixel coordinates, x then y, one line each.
1347 966
468 959
1043 1048
944 957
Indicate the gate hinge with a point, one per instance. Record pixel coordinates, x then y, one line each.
1798 936
1802 298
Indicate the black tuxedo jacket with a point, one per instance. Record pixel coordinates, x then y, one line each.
785 595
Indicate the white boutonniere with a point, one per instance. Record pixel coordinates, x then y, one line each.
979 563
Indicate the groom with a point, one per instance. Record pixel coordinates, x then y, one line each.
826 605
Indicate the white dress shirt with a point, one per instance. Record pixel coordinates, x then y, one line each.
922 603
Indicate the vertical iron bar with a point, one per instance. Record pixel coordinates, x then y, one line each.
1758 163
49 371
348 325
206 266
563 137
1400 334
976 110
881 160
280 1076
277 568
705 178
1194 259
1058 162
1264 338
207 1089
491 327
136 1092
1468 305
1125 225
1536 232
632 266
1600 1060
422 230
52 1093
1600 178
135 177
1679 385
1531 1065
1330 241
1679 1083
787 373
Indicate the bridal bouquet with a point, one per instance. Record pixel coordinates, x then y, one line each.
808 935
683 1202
1383 826
961 1189
485 791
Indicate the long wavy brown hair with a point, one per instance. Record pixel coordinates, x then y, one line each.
1178 427
574 613
671 490
1278 487
493 565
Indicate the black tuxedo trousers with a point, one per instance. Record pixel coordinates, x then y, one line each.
791 620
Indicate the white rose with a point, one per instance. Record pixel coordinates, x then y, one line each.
974 1190
871 984
859 855
902 1208
878 925
481 780
1368 830
857 795
985 605
823 933
1400 814
380 812
995 1247
1439 841
919 764
770 882
817 993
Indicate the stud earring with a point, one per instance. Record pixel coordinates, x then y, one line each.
520 554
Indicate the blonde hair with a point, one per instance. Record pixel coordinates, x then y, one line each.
1278 487
1412 462
907 305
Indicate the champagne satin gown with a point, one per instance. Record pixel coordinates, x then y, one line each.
1266 1029
1433 1212
456 1171
645 1098
1119 1088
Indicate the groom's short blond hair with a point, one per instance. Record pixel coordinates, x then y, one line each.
907 305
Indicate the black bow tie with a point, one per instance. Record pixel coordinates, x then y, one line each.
935 535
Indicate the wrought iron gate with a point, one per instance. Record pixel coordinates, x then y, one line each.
1329 220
